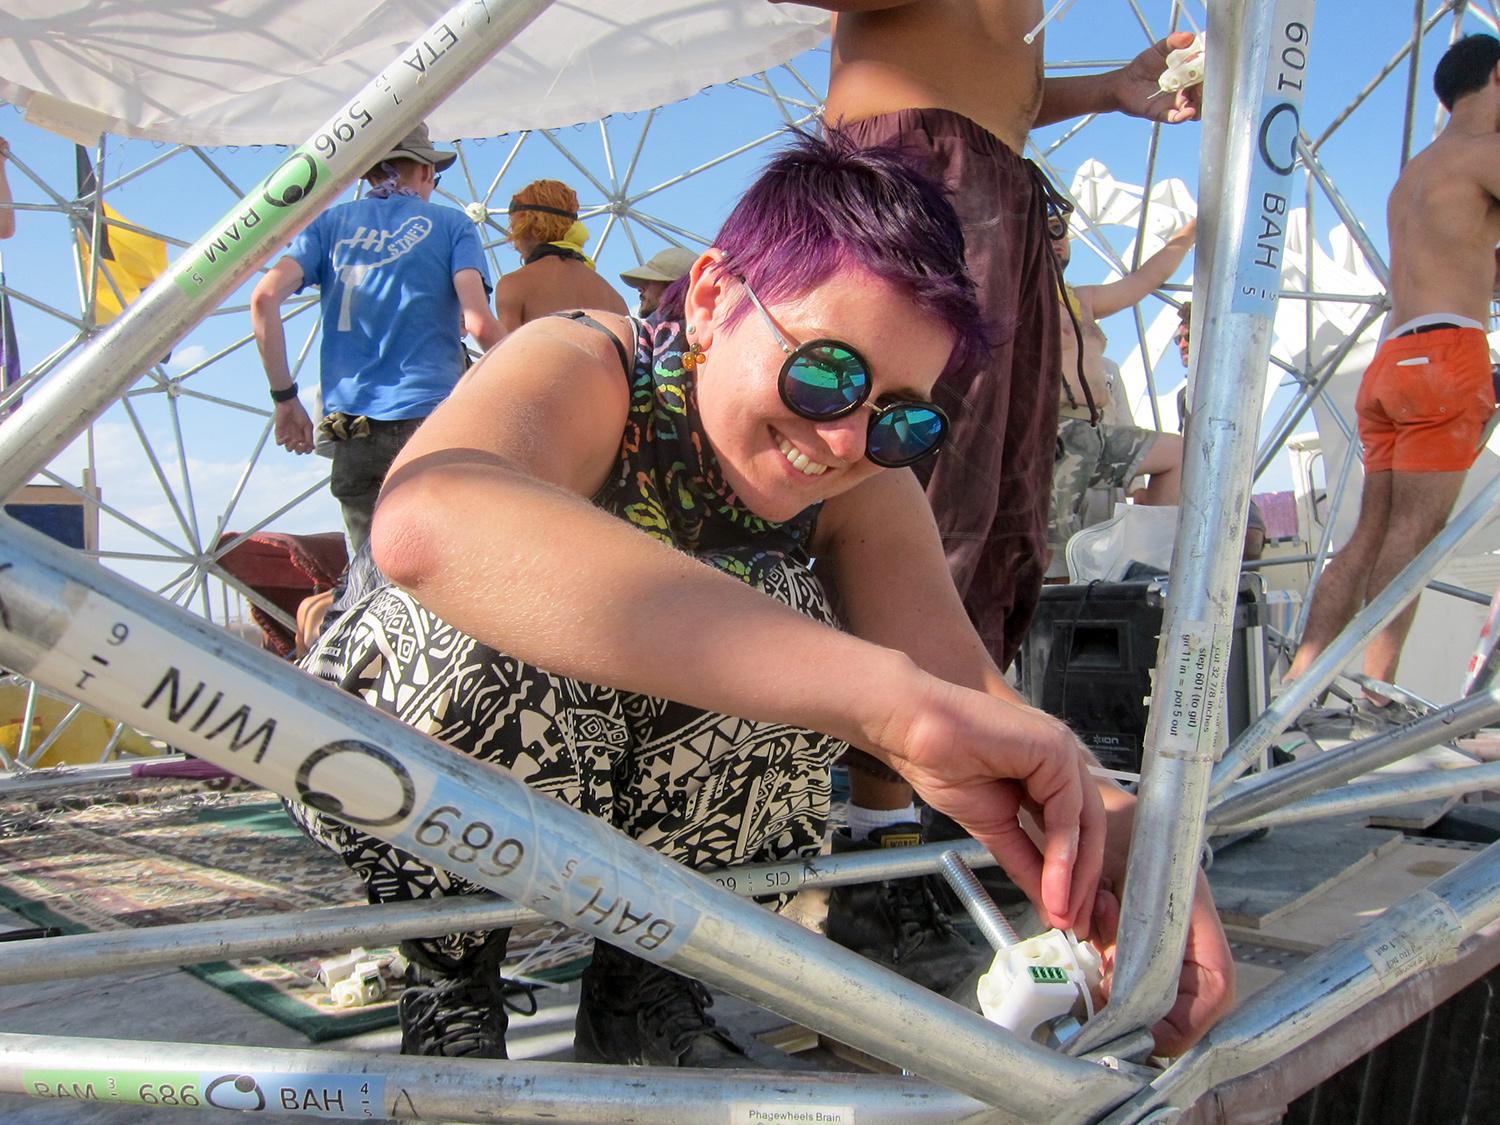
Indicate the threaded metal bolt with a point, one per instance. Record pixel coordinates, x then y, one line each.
987 916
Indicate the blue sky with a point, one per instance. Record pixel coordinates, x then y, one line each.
1351 42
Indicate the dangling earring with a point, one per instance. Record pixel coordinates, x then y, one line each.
694 355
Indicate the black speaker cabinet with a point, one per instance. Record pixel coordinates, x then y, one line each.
1089 654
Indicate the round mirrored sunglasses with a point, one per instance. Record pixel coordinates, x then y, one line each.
825 379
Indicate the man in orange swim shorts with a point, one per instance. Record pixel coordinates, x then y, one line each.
1428 395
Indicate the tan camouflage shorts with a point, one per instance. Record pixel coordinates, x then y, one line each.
1089 457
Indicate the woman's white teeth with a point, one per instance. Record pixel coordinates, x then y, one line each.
801 461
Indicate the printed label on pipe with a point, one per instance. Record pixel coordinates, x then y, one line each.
279 195
131 669
762 879
1197 658
313 1095
124 666
749 1113
1257 274
233 236
1430 936
568 882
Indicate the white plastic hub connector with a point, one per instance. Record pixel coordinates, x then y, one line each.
1184 66
340 968
364 986
1035 981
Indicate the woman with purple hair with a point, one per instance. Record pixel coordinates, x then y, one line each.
599 553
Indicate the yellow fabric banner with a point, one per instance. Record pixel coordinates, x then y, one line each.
132 260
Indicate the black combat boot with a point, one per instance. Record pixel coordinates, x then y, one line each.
899 923
457 1008
635 1013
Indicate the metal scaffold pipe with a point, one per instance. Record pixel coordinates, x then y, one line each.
1430 928
1255 103
82 955
1285 784
1400 789
79 629
358 1084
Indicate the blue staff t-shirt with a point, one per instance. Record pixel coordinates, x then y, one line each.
392 324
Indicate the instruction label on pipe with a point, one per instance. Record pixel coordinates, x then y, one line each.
1257 275
1429 936
1196 656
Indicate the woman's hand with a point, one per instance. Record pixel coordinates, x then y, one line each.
1205 987
984 761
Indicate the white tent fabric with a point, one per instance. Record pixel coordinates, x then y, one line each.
1109 202
243 72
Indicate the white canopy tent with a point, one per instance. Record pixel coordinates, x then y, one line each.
221 72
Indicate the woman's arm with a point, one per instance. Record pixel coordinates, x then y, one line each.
484 518
1130 290
886 558
7 214
885 554
475 306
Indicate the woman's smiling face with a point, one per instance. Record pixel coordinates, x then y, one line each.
777 462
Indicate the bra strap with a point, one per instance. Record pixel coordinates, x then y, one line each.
583 318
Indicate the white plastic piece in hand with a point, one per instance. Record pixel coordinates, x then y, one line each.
1035 982
1184 66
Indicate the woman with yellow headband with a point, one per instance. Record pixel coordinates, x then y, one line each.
556 275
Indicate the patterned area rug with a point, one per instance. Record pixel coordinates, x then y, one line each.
200 856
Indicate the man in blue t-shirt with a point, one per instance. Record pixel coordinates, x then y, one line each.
402 281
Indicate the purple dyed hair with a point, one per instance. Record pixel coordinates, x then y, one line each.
824 205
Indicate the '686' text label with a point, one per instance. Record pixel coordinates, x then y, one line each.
312 1095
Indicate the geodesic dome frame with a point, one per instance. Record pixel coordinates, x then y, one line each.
58 602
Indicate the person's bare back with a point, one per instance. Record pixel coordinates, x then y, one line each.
1444 222
551 285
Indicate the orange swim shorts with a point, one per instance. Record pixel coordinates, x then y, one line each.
1425 400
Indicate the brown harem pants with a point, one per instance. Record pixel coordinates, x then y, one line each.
991 486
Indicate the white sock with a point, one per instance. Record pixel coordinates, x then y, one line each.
864 821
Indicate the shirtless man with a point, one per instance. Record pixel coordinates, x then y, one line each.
1426 397
955 82
1107 454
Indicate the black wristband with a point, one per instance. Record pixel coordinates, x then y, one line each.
286 395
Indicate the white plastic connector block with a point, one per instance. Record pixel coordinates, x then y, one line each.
340 968
1185 66
1032 983
363 986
